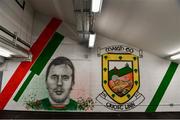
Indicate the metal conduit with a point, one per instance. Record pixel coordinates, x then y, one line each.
14 36
22 53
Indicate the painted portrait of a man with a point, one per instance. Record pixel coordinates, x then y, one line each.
59 82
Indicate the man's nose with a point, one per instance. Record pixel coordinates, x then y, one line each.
59 83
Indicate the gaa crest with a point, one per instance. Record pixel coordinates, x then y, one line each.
120 78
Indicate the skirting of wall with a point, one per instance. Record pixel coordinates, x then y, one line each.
88 115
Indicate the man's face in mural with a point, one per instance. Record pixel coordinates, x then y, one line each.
59 82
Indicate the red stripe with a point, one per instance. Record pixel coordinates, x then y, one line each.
24 67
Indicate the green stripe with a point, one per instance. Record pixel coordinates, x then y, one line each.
47 53
23 87
162 88
41 61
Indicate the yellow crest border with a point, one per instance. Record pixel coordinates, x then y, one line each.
120 57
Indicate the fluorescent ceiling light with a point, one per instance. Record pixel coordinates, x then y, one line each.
92 38
5 53
176 56
96 5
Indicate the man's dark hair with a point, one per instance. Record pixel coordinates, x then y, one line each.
60 61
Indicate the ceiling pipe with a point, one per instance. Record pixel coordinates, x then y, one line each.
84 19
14 36
85 12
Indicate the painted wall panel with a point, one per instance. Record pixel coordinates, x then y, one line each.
22 69
88 78
150 72
89 83
170 100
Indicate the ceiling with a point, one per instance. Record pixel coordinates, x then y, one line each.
151 25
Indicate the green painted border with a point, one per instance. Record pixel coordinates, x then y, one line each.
162 88
23 87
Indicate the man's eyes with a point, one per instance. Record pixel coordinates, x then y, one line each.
65 77
54 77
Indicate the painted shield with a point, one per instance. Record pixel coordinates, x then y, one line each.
120 76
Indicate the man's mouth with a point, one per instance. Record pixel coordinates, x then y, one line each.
58 91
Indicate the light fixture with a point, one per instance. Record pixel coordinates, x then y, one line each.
175 56
92 38
96 5
5 53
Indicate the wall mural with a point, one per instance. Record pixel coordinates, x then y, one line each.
51 86
120 78
65 76
59 81
120 81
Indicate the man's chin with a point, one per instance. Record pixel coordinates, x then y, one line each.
59 99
